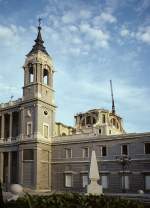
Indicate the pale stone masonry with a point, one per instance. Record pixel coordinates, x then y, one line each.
44 155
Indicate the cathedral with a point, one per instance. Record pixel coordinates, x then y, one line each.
47 156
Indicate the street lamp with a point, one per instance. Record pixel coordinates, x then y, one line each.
124 160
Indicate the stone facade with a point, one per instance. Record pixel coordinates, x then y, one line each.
43 155
109 165
99 121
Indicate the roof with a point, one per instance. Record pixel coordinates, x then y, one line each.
38 46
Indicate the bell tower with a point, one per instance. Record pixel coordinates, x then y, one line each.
38 73
38 92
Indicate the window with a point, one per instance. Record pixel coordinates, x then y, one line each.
147 148
83 122
124 149
147 182
103 151
117 126
114 122
84 180
125 182
29 128
28 154
104 182
100 131
31 75
94 120
103 119
68 180
45 76
45 129
88 120
85 152
109 131
68 153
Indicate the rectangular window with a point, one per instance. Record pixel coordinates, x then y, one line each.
45 131
104 181
68 180
147 148
124 148
125 182
147 182
103 150
85 152
84 180
68 153
28 154
29 128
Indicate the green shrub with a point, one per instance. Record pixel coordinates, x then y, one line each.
74 200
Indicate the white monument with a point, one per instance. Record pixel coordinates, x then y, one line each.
94 187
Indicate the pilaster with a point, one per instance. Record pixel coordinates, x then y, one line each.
9 168
1 166
22 128
21 166
10 125
37 168
2 127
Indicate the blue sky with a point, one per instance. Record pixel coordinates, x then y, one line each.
91 42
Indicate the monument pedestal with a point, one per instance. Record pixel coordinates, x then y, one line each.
94 188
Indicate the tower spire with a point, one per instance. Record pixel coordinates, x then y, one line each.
112 96
38 46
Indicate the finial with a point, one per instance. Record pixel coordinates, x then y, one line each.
39 20
113 102
38 46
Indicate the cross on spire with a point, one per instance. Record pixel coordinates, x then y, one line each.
38 46
40 20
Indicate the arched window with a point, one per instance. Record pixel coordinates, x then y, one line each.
31 74
114 122
103 118
45 76
88 120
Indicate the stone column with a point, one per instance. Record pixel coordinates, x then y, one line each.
1 166
21 127
2 127
21 166
10 125
9 169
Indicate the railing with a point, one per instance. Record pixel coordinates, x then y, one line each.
10 103
9 140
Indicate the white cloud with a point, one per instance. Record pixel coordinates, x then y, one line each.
141 34
85 14
106 17
11 35
69 18
144 34
101 38
73 28
124 32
